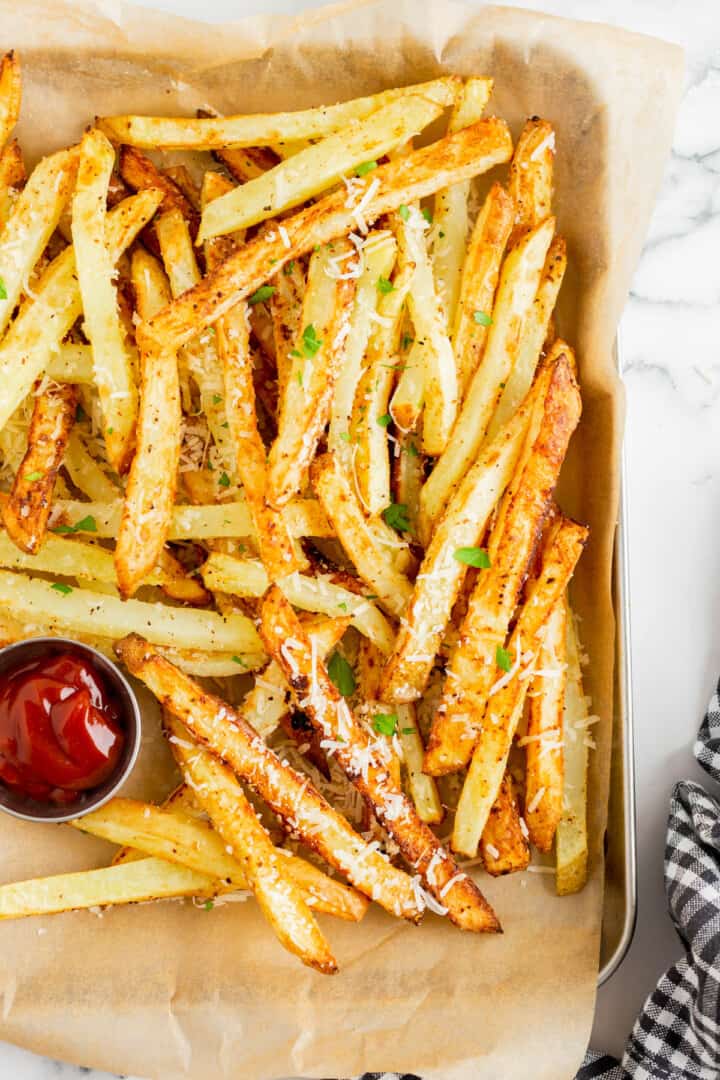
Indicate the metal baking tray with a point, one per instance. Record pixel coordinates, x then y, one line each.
620 903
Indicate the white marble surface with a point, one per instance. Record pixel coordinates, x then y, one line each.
671 359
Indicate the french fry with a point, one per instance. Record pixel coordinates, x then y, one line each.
44 320
248 577
370 417
10 94
376 259
12 177
232 519
407 477
470 152
422 787
365 765
571 838
516 293
450 215
150 491
305 406
178 253
531 176
442 574
28 508
94 613
180 175
507 697
31 223
286 305
262 129
480 271
431 363
281 901
535 331
544 739
503 846
112 362
291 796
370 559
318 167
140 173
473 664
72 363
243 164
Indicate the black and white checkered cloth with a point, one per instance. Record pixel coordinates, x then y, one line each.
677 1035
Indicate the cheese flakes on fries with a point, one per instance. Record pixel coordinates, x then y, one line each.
266 420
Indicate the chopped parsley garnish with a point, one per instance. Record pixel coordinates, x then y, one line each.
341 674
224 480
407 339
385 420
342 605
344 435
86 524
288 268
238 660
385 723
3 290
110 430
310 341
502 658
473 556
408 730
80 414
412 449
59 587
396 516
481 318
208 905
37 475
217 398
365 168
261 294
384 285
404 211
427 214
299 378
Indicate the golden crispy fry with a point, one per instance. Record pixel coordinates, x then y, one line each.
179 585
372 562
180 175
503 845
531 176
374 262
291 796
571 838
286 304
12 177
10 94
507 697
320 593
536 328
457 157
516 292
407 477
544 740
139 173
318 167
27 510
71 363
365 764
443 570
106 616
112 362
280 899
370 418
305 407
450 216
480 271
422 787
45 319
263 129
31 223
473 663
150 491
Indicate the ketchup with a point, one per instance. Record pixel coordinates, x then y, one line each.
59 729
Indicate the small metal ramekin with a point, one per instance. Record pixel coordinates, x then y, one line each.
21 806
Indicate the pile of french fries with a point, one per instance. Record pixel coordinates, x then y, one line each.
284 438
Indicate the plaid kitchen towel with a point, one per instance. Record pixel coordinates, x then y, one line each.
677 1035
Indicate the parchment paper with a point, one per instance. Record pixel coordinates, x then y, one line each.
166 990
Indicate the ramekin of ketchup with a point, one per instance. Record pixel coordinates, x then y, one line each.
69 729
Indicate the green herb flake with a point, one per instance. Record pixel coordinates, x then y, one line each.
404 211
31 476
396 516
473 556
342 605
80 415
502 658
427 214
208 905
3 290
299 378
110 430
345 436
311 342
412 450
481 318
86 524
365 168
59 587
341 674
384 285
217 398
408 731
385 420
407 340
238 660
288 268
262 294
224 480
385 723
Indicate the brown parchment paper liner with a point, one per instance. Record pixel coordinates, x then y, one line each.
168 991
